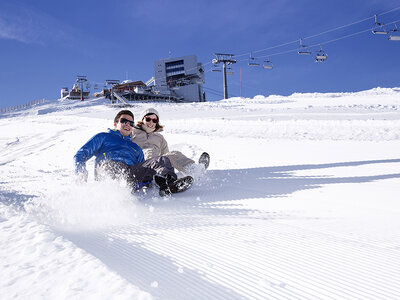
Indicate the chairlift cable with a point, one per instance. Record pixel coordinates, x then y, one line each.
389 11
349 35
337 28
318 44
318 34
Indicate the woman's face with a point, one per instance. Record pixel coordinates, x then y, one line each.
150 120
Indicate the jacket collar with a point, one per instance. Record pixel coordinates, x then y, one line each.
116 132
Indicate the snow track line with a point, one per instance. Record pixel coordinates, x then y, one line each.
179 245
368 256
232 241
394 254
360 239
385 281
342 283
224 279
156 269
244 270
143 262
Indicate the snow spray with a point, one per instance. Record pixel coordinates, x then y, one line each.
88 206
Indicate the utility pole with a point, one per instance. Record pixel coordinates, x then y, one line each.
81 80
225 59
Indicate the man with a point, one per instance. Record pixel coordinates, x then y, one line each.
117 156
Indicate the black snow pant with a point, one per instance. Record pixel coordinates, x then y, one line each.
139 174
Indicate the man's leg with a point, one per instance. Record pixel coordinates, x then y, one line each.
179 161
116 170
160 165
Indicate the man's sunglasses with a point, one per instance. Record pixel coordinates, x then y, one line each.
150 119
124 121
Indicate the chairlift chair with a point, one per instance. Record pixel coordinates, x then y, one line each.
395 37
253 61
303 49
379 28
321 56
268 65
215 69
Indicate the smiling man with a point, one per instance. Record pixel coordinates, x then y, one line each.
118 157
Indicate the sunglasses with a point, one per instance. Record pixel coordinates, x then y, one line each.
124 121
150 119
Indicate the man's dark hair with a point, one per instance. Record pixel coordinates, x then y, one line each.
123 112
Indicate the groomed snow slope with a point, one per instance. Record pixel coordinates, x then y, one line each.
300 202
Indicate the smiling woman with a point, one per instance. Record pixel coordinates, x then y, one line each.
147 134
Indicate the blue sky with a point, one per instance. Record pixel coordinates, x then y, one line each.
45 44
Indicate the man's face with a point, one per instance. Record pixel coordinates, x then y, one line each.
124 125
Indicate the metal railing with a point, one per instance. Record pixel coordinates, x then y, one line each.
22 106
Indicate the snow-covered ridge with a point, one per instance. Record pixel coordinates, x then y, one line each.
372 92
356 97
373 98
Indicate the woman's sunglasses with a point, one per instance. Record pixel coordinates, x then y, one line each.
150 119
124 121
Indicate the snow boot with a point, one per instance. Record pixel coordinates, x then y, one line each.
169 185
204 159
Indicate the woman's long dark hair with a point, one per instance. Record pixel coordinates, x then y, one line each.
158 126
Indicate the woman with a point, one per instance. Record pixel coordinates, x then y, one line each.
147 135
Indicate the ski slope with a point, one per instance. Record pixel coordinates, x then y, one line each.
300 202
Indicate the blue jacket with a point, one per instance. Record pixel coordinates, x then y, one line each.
111 145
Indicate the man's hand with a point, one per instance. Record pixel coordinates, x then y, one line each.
148 153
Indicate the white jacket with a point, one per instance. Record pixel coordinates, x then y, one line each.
154 144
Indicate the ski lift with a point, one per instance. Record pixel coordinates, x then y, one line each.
215 69
253 61
379 28
321 56
268 65
395 37
303 49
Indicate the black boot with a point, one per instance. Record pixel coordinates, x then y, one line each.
169 185
204 159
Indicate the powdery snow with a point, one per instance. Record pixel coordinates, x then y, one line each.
300 202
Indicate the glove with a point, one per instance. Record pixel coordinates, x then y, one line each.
148 153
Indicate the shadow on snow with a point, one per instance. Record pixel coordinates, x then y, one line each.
196 209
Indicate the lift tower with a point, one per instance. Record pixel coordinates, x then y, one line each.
81 79
112 82
225 59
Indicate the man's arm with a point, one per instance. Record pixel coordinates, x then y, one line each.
86 152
